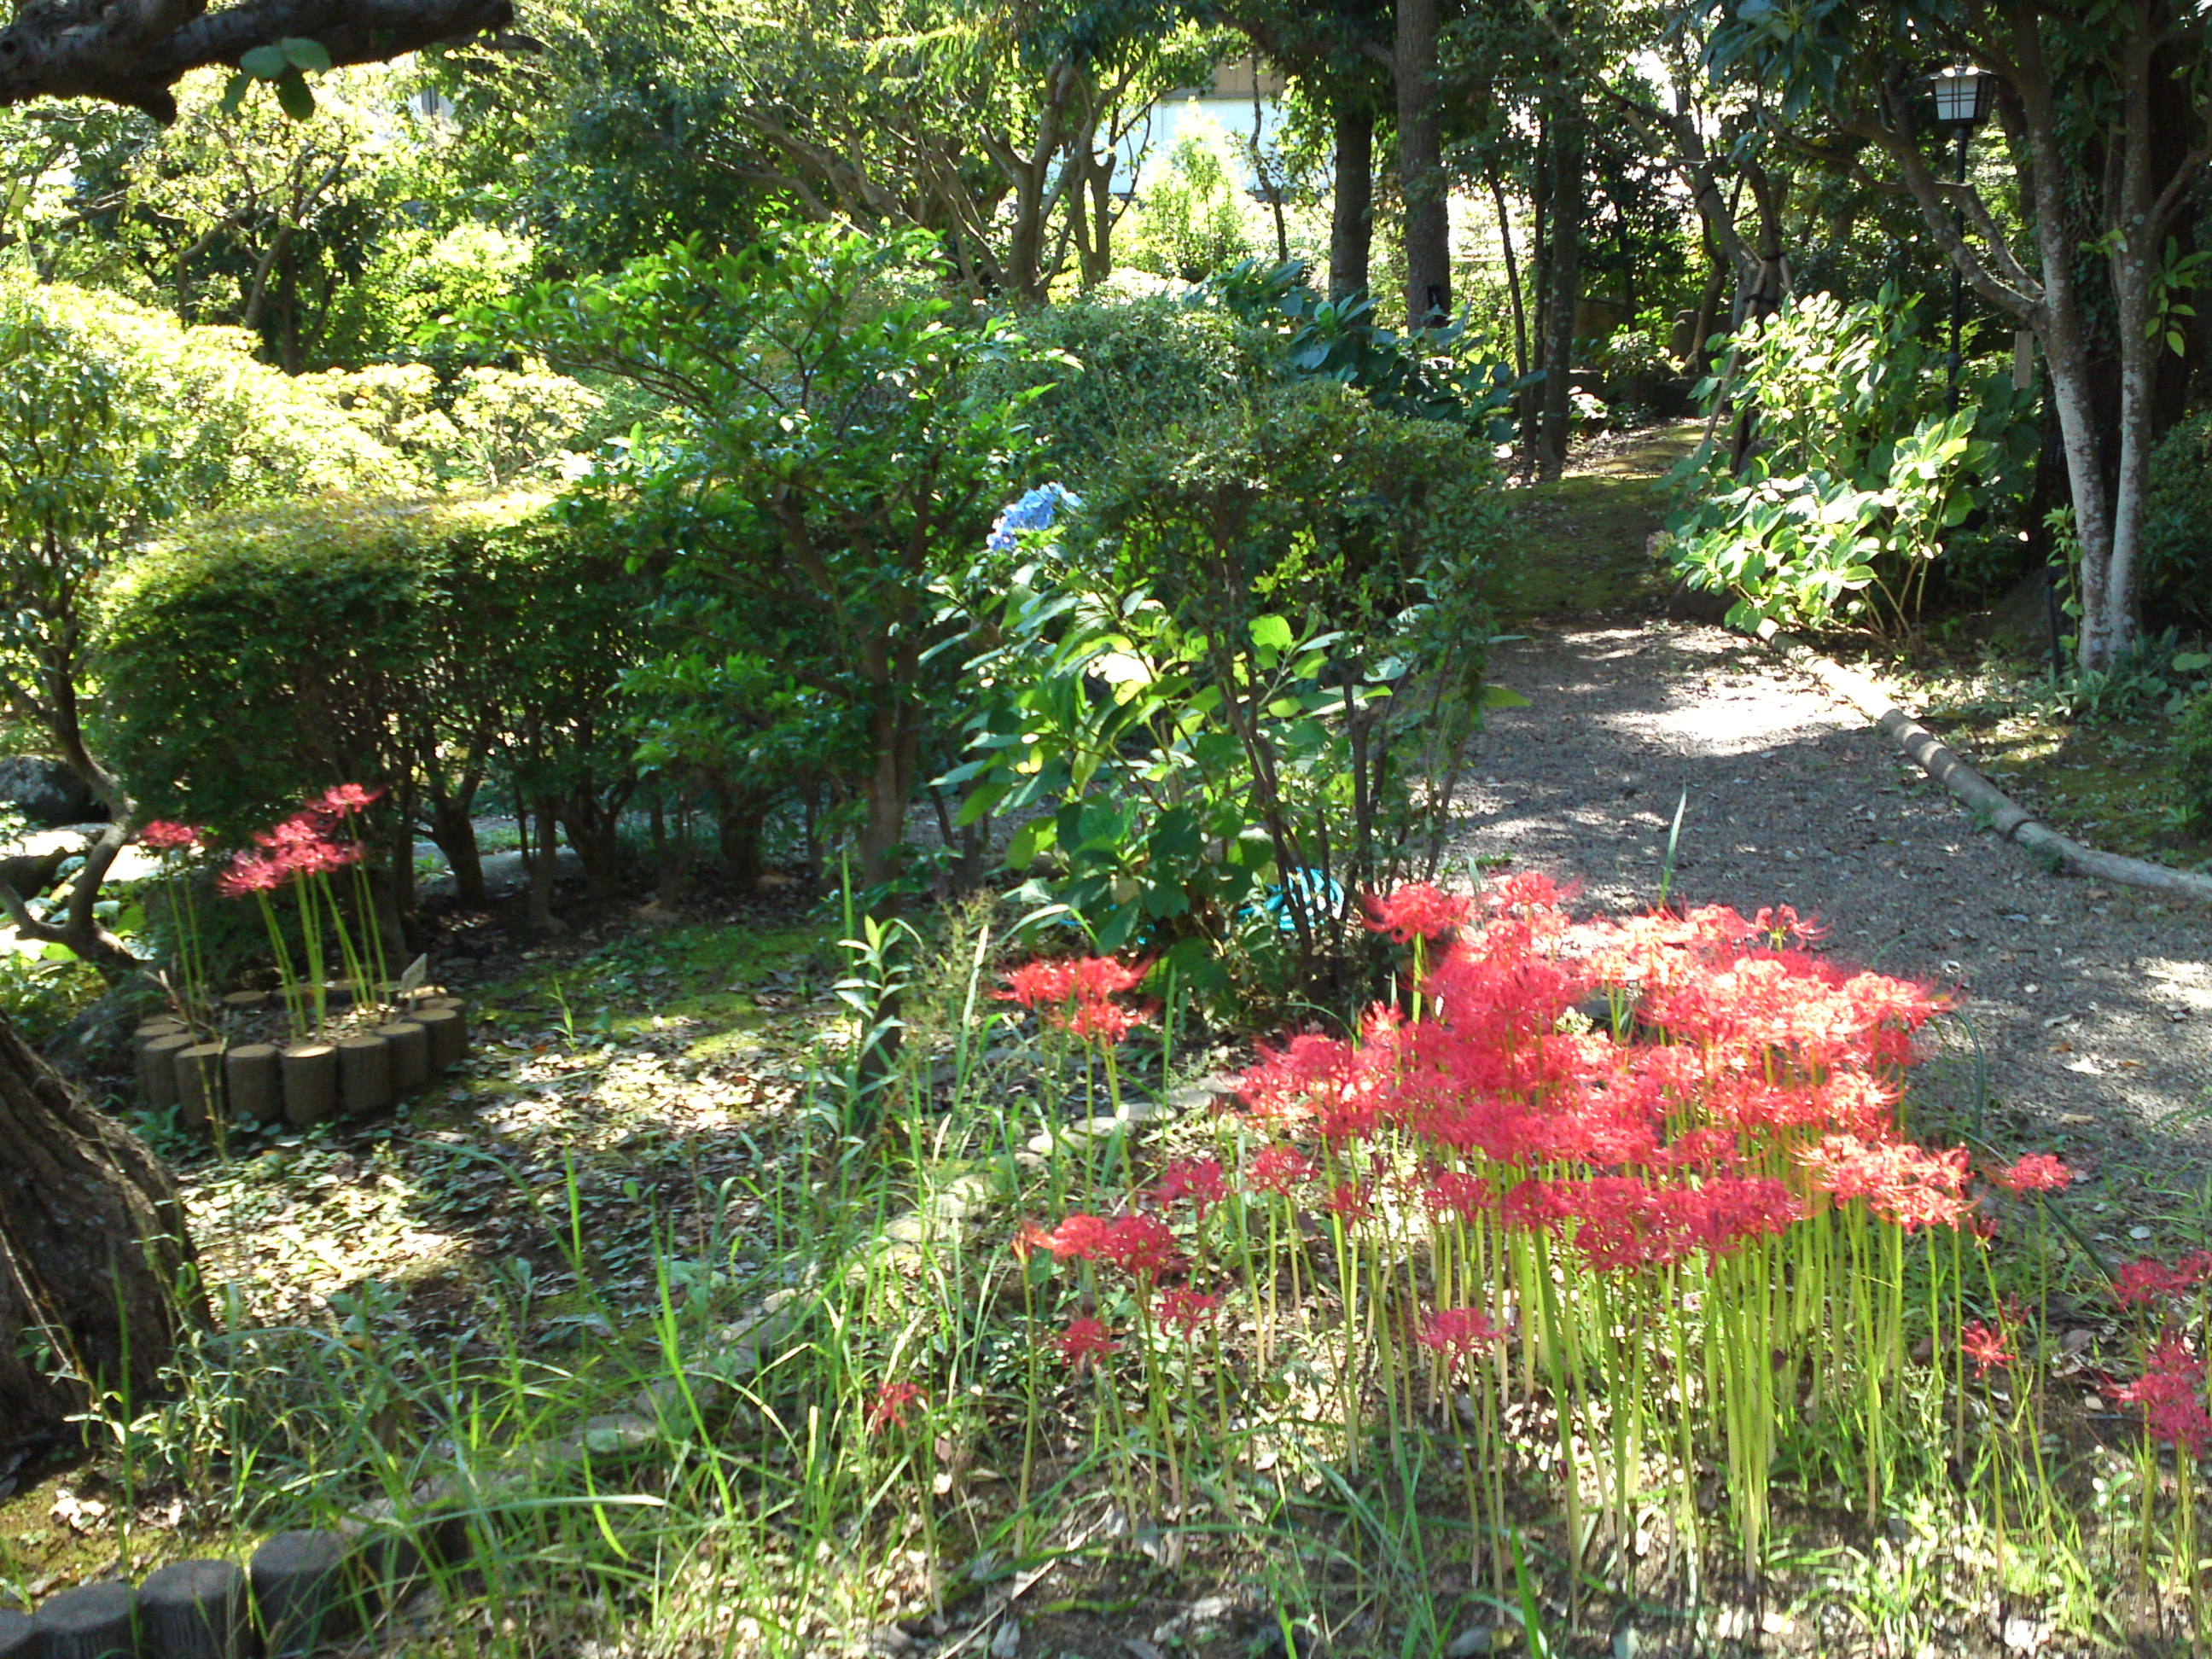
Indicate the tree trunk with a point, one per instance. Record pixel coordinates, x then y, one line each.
1351 209
93 1255
1420 167
541 919
1564 279
1512 276
455 832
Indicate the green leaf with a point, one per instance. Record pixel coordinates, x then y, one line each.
266 62
1026 842
234 94
303 53
295 96
1497 697
1271 631
56 953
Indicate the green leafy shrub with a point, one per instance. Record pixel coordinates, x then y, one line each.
1842 509
1241 681
1442 374
2178 526
834 449
1191 221
250 660
1110 373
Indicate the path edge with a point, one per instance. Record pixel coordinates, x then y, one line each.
2057 853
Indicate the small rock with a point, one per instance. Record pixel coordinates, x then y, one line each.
2022 1635
1008 1642
1475 1638
1626 1644
2139 1234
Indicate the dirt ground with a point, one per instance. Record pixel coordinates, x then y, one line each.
2084 1013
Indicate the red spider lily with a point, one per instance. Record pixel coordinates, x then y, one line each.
1417 910
2038 1172
1084 1341
1458 1332
318 858
1186 1310
344 799
1985 1345
1046 982
302 828
1097 978
164 836
1901 1183
1077 994
2147 1280
1142 1247
1080 1237
1279 1170
2169 1391
1027 1239
889 1408
1198 1179
1106 1023
250 873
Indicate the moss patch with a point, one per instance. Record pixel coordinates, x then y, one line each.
1582 539
2115 787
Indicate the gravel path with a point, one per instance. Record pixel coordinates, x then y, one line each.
2093 1006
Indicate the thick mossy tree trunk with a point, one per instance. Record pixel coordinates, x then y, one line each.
94 1256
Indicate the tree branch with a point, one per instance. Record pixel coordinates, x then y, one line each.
132 52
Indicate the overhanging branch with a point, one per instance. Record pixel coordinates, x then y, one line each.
133 51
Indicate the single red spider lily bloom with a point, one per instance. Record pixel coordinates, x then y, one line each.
302 828
1084 1341
1029 1238
2169 1391
1097 978
1142 1247
1417 910
1985 1346
2146 1281
2038 1172
1198 1179
889 1408
1458 1332
1279 1170
1186 1310
163 835
1044 983
251 873
1080 1237
318 858
344 799
1107 1023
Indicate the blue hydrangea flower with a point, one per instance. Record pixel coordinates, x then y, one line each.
1037 510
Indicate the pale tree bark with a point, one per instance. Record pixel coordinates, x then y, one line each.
133 51
95 1260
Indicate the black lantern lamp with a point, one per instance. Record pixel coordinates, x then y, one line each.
1962 98
1962 95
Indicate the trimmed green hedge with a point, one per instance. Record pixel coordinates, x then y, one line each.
249 659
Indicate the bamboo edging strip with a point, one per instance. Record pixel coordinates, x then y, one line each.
2057 853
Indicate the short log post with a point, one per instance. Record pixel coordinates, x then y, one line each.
92 1621
364 1074
195 1610
296 1589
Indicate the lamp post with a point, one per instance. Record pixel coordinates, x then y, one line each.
1962 98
